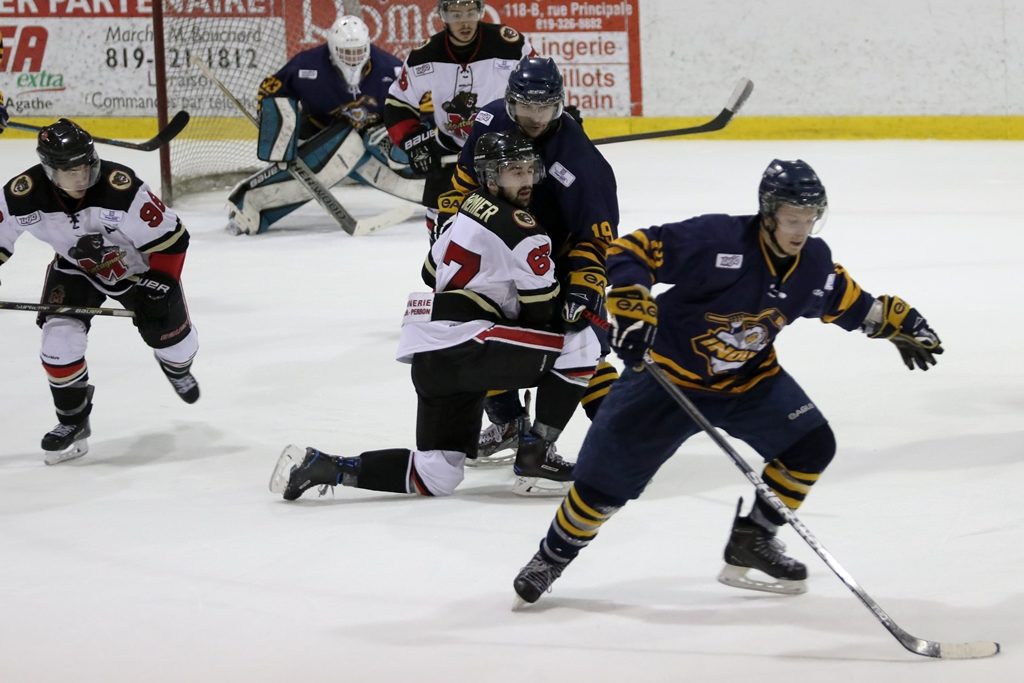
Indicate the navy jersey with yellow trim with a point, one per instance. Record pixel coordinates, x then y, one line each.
310 78
717 324
577 201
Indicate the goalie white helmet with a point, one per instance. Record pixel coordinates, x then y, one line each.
349 43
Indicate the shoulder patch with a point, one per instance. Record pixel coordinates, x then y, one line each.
119 180
308 74
561 174
21 186
484 117
509 34
729 261
524 219
423 69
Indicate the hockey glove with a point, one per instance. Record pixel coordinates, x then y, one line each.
574 111
894 319
377 136
424 153
584 293
153 292
634 322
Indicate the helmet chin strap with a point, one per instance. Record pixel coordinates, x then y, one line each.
768 225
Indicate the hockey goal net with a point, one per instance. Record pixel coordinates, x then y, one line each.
241 42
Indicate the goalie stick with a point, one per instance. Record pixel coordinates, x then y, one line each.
927 648
169 132
66 310
305 176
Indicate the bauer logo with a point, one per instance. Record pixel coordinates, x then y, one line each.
308 74
806 408
559 172
729 261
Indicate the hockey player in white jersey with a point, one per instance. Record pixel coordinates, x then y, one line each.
462 68
113 237
492 321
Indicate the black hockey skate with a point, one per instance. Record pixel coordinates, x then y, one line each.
299 470
536 578
66 442
496 438
539 469
752 547
185 385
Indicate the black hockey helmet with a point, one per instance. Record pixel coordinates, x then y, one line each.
444 6
63 146
790 182
536 81
493 151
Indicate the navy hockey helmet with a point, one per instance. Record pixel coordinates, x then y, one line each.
535 94
790 182
496 151
63 147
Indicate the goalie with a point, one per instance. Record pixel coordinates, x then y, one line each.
324 106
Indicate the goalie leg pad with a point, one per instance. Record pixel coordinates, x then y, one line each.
376 174
268 196
278 134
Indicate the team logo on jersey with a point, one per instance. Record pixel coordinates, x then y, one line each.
509 34
461 111
308 74
56 295
737 338
523 219
21 186
358 111
729 261
30 219
119 180
561 174
110 268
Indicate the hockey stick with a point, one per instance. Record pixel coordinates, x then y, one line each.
305 176
66 310
175 126
739 95
736 100
928 648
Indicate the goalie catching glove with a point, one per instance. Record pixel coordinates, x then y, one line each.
894 319
584 299
634 321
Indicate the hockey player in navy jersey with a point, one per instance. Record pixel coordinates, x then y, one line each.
577 200
460 68
737 281
329 102
113 237
491 321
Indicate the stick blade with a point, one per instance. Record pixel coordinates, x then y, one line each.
978 649
740 94
371 224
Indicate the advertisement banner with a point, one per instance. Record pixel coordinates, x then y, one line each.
96 57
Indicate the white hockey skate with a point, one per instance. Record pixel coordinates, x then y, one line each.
66 442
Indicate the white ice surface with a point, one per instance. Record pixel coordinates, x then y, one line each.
161 556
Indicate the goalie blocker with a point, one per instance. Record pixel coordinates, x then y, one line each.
333 154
